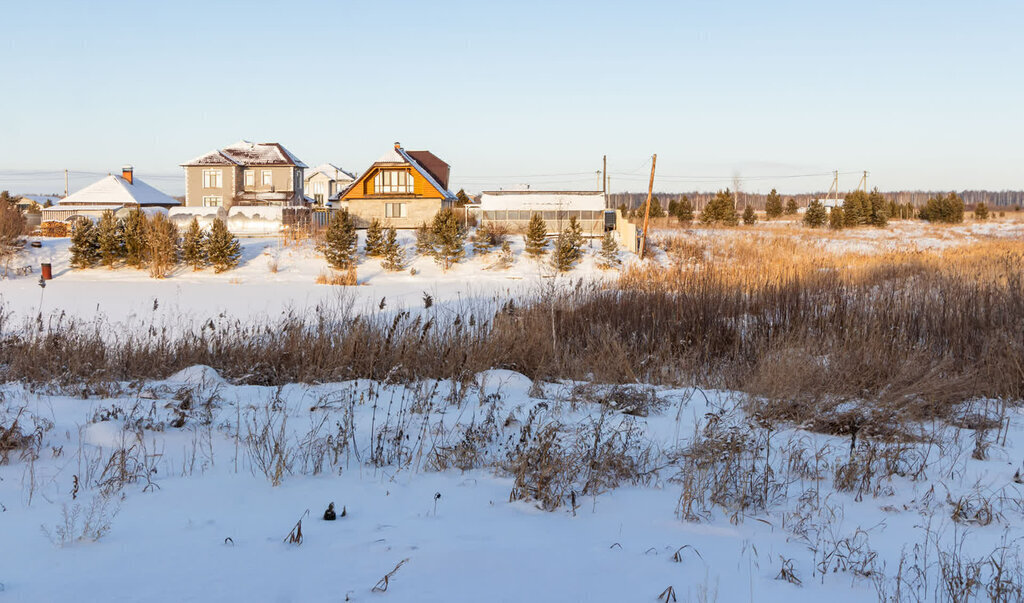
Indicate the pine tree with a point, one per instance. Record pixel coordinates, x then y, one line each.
721 210
483 242
161 245
193 246
424 239
448 239
563 257
749 216
773 205
656 210
394 255
109 239
981 211
461 198
340 241
609 257
876 209
85 245
684 210
836 219
791 207
816 214
536 236
133 236
855 208
575 234
222 248
374 239
505 257
948 209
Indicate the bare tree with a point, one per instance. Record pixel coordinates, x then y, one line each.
12 229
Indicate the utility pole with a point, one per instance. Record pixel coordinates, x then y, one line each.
864 182
65 184
835 185
647 208
604 170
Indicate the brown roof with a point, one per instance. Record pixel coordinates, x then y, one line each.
433 164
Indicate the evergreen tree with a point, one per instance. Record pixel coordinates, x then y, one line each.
876 209
505 257
109 239
85 244
836 219
856 208
394 255
340 241
6 199
721 210
673 207
791 207
424 239
161 245
981 211
374 239
193 246
133 235
575 233
684 210
483 241
816 214
623 210
536 236
656 210
948 209
565 254
609 257
773 205
749 216
461 198
448 239
222 248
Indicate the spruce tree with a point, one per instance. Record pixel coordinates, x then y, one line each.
721 210
791 207
684 210
340 241
876 209
836 219
773 205
483 241
394 255
161 245
193 245
856 208
816 214
85 245
536 238
374 239
222 248
109 239
133 235
609 257
981 211
749 216
424 239
564 256
448 239
656 210
575 233
505 257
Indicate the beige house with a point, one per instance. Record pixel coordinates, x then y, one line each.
245 173
325 183
402 189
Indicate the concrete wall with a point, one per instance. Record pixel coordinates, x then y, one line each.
419 210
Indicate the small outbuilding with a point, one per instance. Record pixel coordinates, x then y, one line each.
514 208
112 193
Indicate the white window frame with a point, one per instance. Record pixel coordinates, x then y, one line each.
389 210
393 182
213 179
213 201
250 178
267 178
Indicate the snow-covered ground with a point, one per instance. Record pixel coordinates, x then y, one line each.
170 475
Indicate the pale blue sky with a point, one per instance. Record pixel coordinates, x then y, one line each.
925 95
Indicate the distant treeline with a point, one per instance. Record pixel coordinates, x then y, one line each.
994 199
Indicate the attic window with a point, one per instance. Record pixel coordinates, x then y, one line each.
392 181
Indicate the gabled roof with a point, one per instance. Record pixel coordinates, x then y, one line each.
331 171
424 172
113 190
433 164
397 156
247 153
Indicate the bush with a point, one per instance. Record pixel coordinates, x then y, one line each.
53 229
222 248
815 215
12 227
981 212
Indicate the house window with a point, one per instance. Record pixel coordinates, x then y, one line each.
395 210
392 181
250 178
212 179
268 177
213 201
318 192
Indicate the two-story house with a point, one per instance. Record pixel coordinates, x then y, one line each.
245 173
402 189
325 183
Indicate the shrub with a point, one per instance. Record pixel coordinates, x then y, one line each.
505 257
222 248
12 227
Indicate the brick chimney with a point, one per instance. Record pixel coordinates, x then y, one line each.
126 173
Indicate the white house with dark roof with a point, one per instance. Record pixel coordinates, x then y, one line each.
326 181
245 173
114 193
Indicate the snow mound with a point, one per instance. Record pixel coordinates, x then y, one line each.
199 374
107 434
508 384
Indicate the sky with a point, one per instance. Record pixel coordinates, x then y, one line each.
923 95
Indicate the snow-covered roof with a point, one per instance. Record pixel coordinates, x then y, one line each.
391 156
244 152
96 207
542 200
331 171
115 190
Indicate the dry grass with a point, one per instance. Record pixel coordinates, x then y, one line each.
333 277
